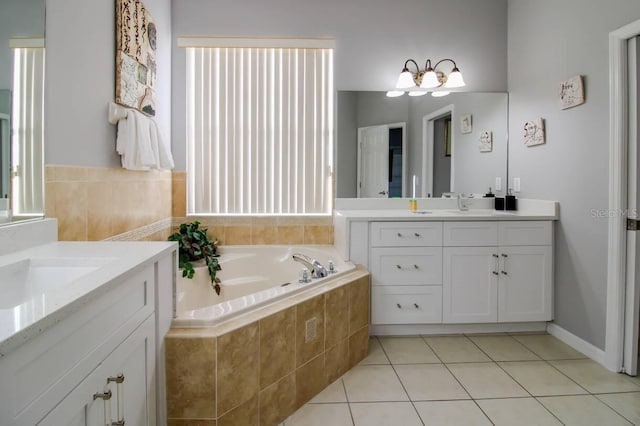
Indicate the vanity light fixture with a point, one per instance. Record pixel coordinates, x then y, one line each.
429 78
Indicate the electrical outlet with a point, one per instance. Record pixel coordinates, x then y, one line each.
498 186
516 184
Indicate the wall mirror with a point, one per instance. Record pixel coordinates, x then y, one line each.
22 30
386 147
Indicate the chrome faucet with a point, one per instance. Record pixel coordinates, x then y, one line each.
462 202
316 269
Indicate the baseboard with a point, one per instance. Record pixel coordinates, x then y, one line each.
577 343
416 329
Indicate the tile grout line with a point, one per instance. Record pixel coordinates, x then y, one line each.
613 409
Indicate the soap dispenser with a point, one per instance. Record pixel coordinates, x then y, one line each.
510 202
489 194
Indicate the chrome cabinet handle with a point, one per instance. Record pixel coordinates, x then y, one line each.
399 306
118 379
495 255
398 266
416 305
504 272
417 235
118 423
504 255
399 235
495 273
416 267
102 395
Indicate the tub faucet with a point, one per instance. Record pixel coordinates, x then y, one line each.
316 269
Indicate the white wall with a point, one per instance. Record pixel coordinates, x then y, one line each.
549 41
80 80
373 38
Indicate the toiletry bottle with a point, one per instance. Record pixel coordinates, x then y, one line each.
489 194
498 202
510 201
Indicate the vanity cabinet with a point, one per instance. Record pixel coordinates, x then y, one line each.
97 365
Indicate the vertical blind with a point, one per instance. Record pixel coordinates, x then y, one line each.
259 130
27 117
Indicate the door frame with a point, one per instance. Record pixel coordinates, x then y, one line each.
427 148
618 144
398 125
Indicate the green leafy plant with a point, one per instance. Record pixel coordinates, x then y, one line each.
194 244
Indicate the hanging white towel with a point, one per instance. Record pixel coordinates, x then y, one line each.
140 144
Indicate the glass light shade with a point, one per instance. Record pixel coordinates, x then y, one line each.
439 93
417 93
429 80
405 80
394 93
455 79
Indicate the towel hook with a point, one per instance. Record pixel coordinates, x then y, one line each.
116 112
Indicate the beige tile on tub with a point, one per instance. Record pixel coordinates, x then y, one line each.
425 382
548 347
541 379
371 383
321 415
514 411
309 312
486 380
503 348
246 414
407 350
310 380
278 401
594 377
451 413
455 349
277 346
358 346
384 414
337 315
582 410
625 404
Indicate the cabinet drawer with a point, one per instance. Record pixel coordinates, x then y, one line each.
406 304
406 266
470 234
525 233
406 234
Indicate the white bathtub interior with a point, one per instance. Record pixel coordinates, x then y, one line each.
251 276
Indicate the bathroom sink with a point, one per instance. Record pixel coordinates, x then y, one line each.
30 278
473 212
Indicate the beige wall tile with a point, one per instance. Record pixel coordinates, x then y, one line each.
100 210
278 401
358 304
178 196
358 346
263 234
290 235
310 380
190 422
50 199
336 361
337 316
49 173
238 367
71 173
71 209
310 310
277 346
190 370
318 234
237 235
247 414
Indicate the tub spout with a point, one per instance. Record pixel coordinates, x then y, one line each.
316 269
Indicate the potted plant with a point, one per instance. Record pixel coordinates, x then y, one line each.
194 245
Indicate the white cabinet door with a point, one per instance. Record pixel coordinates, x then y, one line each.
525 290
470 285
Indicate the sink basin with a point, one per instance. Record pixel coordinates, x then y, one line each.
473 212
29 278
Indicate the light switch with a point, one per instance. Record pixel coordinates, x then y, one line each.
498 186
516 184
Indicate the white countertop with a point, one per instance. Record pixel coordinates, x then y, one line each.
23 322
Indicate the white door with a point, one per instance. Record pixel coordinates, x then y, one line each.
373 162
524 288
632 297
470 285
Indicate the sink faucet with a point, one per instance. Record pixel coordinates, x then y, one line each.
462 202
316 269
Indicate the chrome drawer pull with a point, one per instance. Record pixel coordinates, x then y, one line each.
416 267
504 272
104 395
495 255
417 235
416 305
398 266
504 255
118 423
399 306
118 379
399 235
495 273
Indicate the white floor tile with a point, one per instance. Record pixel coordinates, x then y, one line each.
514 411
583 410
594 377
548 347
332 393
541 379
373 383
408 350
503 348
376 354
486 380
451 413
321 415
427 382
456 349
626 404
385 414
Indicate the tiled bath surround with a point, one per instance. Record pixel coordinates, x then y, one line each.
261 367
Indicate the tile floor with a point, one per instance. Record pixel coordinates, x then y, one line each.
499 379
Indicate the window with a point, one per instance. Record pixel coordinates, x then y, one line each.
259 127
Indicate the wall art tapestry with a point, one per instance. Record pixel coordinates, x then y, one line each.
534 132
135 56
571 92
486 141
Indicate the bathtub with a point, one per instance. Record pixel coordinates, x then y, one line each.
251 276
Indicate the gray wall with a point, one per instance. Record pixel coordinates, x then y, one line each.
550 41
80 80
373 38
